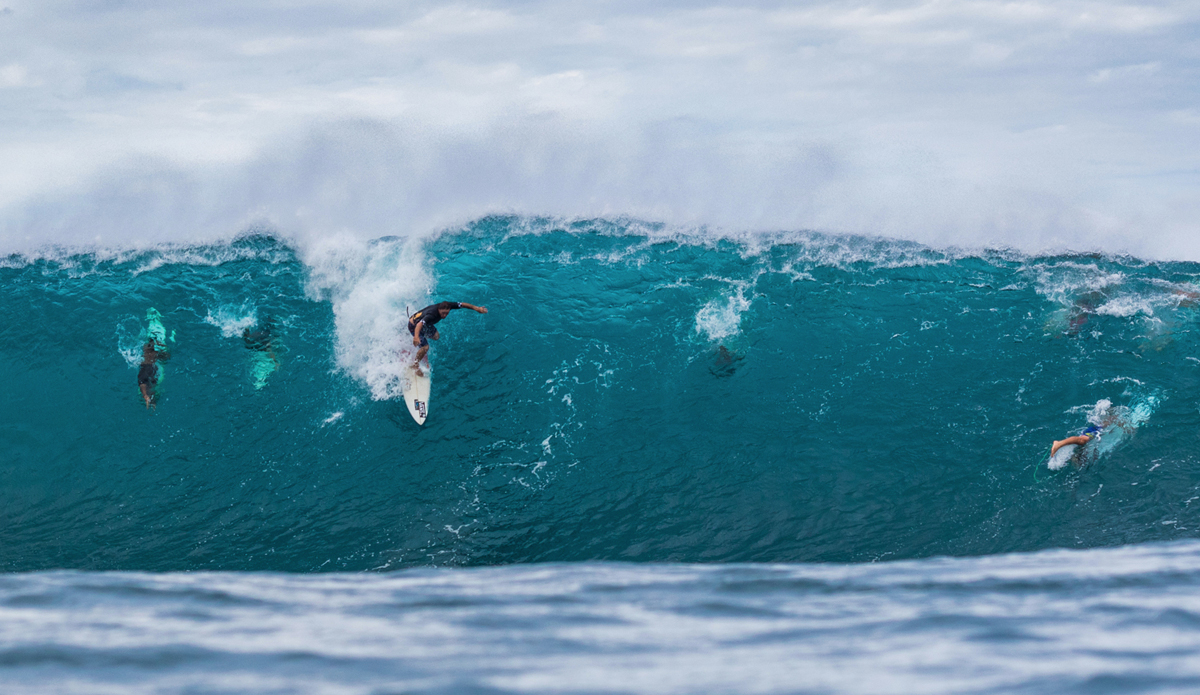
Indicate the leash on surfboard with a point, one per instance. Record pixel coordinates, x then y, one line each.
1039 465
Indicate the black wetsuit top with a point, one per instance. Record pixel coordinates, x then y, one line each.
430 315
258 340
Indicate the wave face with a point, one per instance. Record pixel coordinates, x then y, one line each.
634 394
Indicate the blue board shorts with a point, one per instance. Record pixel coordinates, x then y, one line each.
426 331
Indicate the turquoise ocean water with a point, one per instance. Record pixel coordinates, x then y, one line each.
717 448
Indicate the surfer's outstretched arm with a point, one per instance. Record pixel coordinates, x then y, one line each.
480 309
1079 440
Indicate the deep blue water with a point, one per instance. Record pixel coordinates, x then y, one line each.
631 396
634 395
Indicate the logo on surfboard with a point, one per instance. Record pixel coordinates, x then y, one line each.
420 406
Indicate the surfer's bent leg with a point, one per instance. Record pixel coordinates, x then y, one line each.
423 340
147 380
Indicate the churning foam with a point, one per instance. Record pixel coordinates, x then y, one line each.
1099 412
232 320
371 286
721 318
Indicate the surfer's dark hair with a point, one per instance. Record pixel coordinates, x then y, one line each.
448 306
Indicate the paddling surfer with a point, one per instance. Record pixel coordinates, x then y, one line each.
148 371
422 325
1104 414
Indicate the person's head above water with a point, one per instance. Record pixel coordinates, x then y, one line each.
445 307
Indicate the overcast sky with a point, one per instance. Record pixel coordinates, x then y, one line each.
1031 124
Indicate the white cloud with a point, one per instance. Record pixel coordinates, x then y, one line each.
1124 72
13 75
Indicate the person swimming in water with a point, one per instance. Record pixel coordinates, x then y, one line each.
262 338
1105 413
725 362
148 372
422 326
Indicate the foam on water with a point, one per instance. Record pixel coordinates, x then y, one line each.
372 288
232 320
719 318
1049 622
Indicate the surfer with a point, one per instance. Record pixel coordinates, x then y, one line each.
1083 308
725 363
148 371
1187 297
422 325
262 339
1103 413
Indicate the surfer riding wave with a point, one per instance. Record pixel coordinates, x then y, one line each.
422 326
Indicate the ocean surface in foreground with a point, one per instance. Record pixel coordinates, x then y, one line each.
1079 621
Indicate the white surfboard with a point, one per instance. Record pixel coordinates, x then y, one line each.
416 391
1062 457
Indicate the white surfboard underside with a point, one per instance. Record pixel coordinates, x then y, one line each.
416 392
1062 457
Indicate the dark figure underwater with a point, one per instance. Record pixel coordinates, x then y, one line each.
262 338
148 372
725 362
421 325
